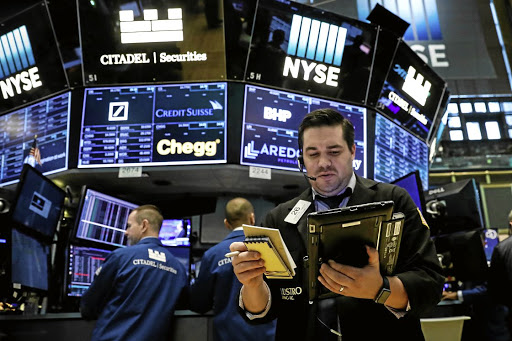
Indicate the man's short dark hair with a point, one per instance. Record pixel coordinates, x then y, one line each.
151 213
326 118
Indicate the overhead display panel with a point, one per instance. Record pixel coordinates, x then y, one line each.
411 93
30 63
37 135
306 49
132 42
398 152
271 123
153 125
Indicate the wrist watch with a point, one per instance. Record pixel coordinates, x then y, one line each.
384 291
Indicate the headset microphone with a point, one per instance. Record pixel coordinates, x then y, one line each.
300 161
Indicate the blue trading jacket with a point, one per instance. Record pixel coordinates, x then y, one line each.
135 293
217 288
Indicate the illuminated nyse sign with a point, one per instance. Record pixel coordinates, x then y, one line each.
319 41
18 72
151 30
425 29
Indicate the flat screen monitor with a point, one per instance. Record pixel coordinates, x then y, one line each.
29 262
454 207
31 67
175 232
412 92
37 135
83 262
38 204
465 252
271 122
310 50
126 41
412 184
160 125
183 255
398 152
102 219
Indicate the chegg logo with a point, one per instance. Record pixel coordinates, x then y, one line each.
199 148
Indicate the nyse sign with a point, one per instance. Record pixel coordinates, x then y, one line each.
432 54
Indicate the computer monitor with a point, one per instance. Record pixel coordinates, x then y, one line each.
454 207
102 219
83 261
154 125
38 203
29 263
38 135
183 255
271 122
398 152
175 232
412 184
465 251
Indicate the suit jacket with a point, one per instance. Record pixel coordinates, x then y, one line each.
359 319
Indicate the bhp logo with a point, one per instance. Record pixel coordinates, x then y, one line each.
15 52
316 40
421 14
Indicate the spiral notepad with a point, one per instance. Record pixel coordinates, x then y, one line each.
278 262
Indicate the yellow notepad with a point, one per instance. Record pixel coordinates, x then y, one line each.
268 242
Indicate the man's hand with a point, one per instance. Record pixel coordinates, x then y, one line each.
247 265
449 295
249 268
356 282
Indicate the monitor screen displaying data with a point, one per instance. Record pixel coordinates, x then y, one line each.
102 219
37 135
271 123
398 152
83 262
39 203
29 262
154 125
175 232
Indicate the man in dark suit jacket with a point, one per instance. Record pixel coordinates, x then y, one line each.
369 306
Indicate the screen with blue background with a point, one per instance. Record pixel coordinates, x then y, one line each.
271 123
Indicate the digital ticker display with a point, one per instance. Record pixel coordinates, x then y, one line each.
411 93
37 135
398 152
154 125
271 123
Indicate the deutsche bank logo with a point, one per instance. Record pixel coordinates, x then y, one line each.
118 111
316 40
15 52
421 14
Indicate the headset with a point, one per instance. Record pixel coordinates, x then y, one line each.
300 163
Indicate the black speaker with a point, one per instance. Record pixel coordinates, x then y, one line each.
381 16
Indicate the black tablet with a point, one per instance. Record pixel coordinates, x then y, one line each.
341 235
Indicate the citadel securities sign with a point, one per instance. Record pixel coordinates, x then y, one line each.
148 44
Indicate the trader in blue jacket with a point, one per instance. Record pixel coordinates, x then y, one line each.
217 287
136 289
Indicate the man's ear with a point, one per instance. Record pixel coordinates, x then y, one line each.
227 224
145 225
253 219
